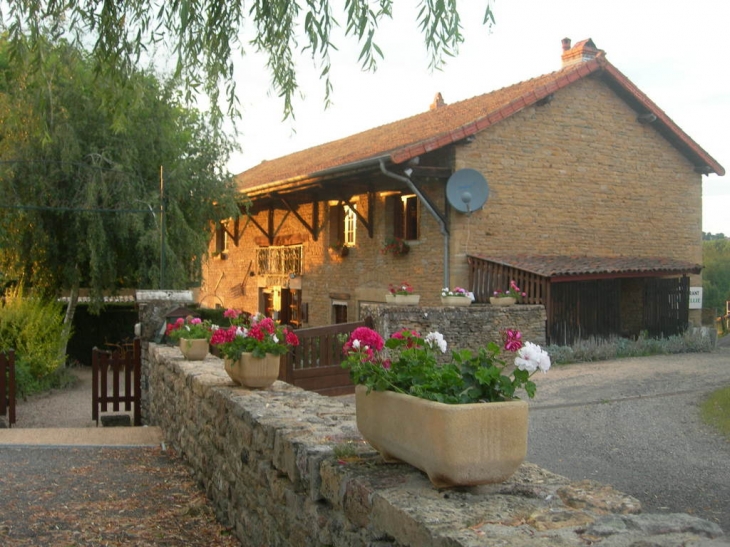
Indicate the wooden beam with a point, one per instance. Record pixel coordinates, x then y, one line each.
364 221
303 222
236 234
261 228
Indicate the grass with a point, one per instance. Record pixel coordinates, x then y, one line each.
716 411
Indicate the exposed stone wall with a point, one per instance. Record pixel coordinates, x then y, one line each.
152 307
469 327
274 465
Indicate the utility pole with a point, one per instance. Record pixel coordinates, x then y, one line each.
162 229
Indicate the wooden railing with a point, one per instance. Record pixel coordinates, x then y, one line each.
7 385
485 277
116 364
314 364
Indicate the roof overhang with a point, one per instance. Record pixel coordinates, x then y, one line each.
563 268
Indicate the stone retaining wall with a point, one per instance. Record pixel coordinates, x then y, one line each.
285 467
470 327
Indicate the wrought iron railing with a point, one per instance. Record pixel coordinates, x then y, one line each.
279 260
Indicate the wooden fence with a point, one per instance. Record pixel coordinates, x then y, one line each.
314 364
124 367
7 385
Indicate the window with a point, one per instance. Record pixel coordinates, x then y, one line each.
405 217
221 240
350 225
339 311
343 224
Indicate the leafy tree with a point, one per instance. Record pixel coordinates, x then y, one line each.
80 195
205 34
716 274
707 236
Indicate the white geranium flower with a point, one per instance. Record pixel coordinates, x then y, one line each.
528 357
356 343
275 338
532 357
437 339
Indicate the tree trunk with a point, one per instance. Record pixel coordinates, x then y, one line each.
68 319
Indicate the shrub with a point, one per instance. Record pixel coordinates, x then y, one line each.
691 341
34 329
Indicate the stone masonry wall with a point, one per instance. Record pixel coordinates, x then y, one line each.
285 467
469 327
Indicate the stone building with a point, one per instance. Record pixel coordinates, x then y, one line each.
594 207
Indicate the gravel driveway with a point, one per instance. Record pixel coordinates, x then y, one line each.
635 424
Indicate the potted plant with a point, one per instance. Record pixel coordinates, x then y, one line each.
461 421
340 249
252 347
456 297
402 294
508 297
192 335
395 246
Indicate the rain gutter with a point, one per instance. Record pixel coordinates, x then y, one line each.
427 204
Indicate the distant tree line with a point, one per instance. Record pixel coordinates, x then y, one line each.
716 272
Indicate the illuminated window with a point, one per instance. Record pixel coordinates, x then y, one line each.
342 225
350 226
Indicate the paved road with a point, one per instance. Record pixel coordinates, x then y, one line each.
635 424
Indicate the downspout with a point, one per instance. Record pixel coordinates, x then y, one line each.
427 204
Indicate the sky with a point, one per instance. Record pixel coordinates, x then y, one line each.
674 51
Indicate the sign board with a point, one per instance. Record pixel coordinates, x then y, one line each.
695 298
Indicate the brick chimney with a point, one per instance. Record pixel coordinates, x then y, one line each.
579 53
438 102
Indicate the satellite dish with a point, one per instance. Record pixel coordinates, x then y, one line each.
467 190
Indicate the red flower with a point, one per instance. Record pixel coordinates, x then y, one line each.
291 338
364 340
178 324
512 339
221 336
257 332
405 334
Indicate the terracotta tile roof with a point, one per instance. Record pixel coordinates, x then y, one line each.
402 140
563 266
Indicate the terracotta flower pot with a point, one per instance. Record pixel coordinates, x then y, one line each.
194 349
453 444
250 371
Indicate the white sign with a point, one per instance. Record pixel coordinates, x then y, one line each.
695 298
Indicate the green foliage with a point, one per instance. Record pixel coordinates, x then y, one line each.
716 411
188 329
716 274
692 341
707 236
27 384
412 368
81 191
205 35
33 327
